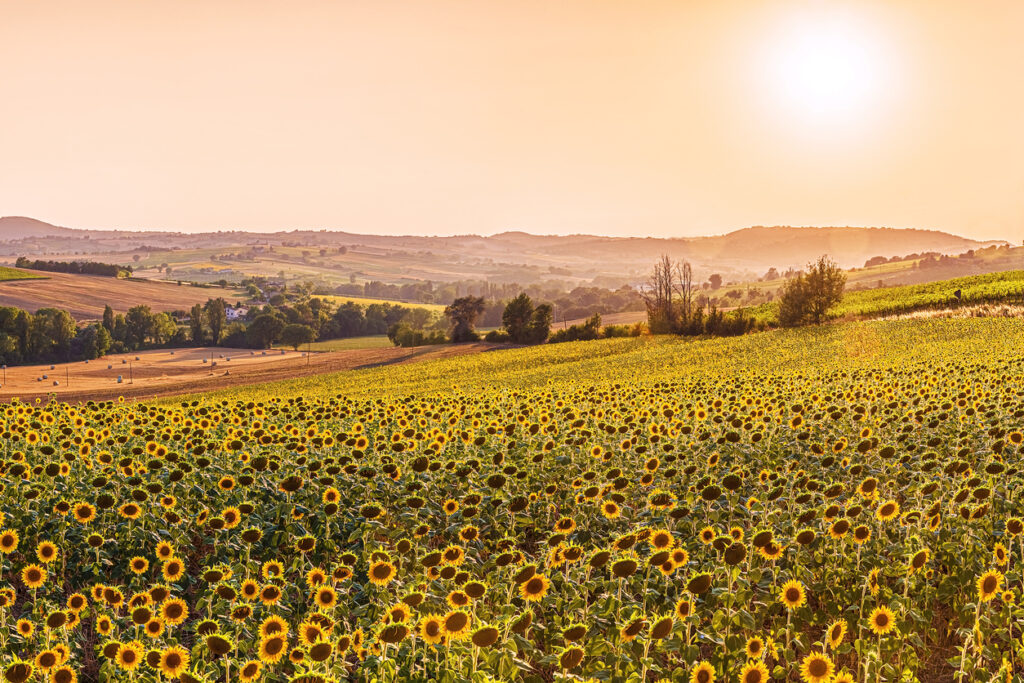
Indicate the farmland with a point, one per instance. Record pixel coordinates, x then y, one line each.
839 500
1000 287
84 296
9 274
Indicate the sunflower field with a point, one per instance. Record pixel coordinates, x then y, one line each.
826 506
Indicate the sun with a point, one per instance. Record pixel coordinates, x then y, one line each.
827 69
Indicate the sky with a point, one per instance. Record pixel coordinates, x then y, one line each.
633 118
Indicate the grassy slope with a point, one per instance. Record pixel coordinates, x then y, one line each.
649 359
7 274
987 288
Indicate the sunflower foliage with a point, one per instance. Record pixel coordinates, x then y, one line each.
855 518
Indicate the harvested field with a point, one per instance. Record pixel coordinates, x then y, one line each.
84 296
152 374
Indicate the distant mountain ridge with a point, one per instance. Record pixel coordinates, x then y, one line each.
749 251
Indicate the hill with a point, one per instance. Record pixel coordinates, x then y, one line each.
84 296
335 257
19 227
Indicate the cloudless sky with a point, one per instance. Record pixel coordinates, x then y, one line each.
640 117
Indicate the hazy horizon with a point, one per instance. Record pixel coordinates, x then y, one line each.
654 118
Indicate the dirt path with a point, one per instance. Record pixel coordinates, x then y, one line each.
182 371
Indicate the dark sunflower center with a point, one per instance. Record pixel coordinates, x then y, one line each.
792 595
818 668
990 584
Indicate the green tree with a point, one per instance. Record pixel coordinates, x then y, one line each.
216 318
516 318
808 297
108 318
264 330
295 335
540 324
195 324
138 326
463 313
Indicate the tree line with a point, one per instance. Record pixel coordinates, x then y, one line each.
673 307
75 267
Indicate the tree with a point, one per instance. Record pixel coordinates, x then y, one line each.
139 326
715 280
349 320
163 328
463 313
195 324
540 324
807 297
516 318
108 318
264 330
295 335
216 317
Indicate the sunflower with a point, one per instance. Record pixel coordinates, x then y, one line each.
988 585
882 620
8 541
173 661
457 624
325 597
381 572
47 659
999 554
887 510
33 576
792 594
250 671
250 590
450 506
816 668
138 565
610 509
25 628
661 539
535 588
130 655
270 594
84 512
273 625
154 628
843 677
755 647
272 648
458 599
164 550
754 672
174 611
63 674
702 672
873 584
46 552
683 608
173 569
130 511
432 629
918 561
835 633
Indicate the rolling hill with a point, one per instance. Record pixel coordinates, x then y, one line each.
519 257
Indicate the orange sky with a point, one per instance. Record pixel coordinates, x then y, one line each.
616 117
